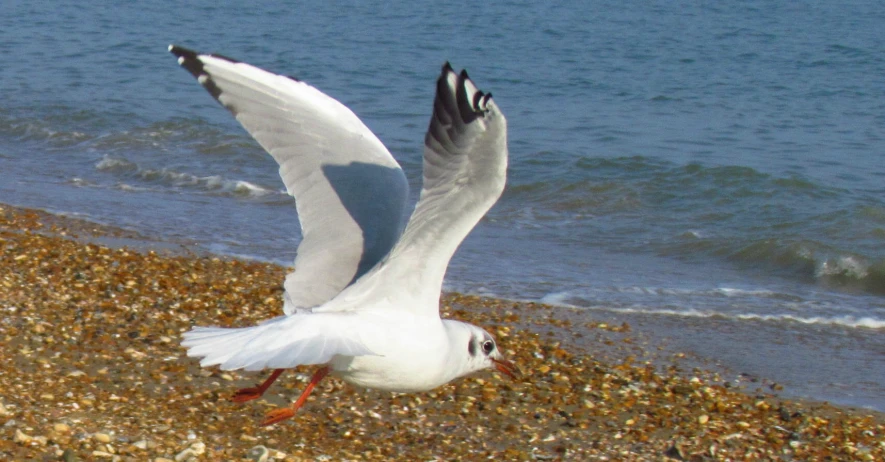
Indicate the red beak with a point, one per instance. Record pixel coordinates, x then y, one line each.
506 367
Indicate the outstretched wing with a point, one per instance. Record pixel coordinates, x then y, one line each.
349 191
465 169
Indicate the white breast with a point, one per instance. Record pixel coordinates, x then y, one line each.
412 355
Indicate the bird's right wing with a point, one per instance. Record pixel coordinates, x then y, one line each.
465 169
349 191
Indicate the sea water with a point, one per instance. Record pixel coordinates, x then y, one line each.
712 171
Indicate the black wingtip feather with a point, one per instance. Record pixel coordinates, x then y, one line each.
190 60
465 108
457 100
477 99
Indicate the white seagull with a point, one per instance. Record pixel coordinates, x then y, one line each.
363 300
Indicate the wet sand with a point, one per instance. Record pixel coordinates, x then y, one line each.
91 370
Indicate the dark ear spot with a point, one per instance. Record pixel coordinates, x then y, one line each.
471 347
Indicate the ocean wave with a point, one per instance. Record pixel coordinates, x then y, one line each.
52 130
214 184
802 259
660 189
847 321
101 133
175 135
869 322
787 224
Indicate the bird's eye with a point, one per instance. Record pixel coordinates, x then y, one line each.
488 346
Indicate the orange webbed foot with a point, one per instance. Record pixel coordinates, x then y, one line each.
278 415
247 394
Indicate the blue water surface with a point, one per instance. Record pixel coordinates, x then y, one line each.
716 165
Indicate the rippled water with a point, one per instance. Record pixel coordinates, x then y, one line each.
717 167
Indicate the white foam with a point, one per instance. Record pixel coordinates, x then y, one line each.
111 163
845 265
556 298
848 321
733 292
562 299
165 175
77 181
719 291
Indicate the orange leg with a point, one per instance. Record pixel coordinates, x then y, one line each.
278 415
248 394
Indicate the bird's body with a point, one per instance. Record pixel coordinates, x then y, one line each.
405 365
363 300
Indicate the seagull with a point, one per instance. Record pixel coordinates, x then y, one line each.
363 300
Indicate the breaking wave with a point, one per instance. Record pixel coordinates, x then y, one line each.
214 184
871 322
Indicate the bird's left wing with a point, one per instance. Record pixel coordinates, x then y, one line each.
349 191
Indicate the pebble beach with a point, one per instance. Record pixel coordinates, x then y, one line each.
92 370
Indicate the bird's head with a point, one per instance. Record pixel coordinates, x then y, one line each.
476 350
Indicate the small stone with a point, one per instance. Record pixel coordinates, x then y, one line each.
703 419
187 454
61 428
194 450
198 447
102 454
4 411
258 454
143 444
21 438
69 456
682 389
674 452
784 414
102 438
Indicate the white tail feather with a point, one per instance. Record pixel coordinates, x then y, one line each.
279 343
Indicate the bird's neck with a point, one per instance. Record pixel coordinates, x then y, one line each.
458 334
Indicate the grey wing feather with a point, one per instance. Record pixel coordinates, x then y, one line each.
349 191
465 170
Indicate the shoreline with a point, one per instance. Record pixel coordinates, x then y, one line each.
94 368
